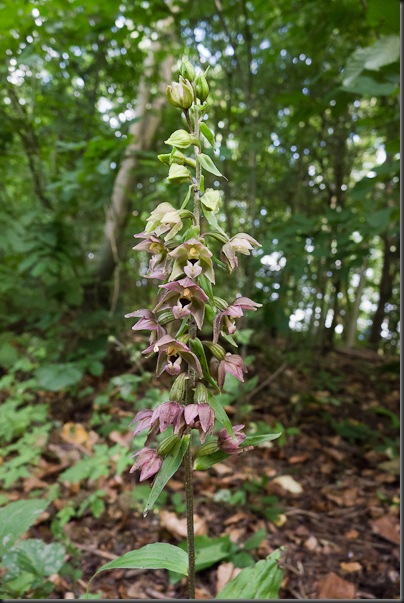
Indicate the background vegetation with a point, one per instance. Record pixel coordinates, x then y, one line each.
305 98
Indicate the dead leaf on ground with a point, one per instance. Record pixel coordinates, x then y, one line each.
225 572
288 483
386 527
299 458
311 543
334 587
178 527
351 534
350 566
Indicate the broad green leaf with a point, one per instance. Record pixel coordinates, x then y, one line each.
368 86
256 440
255 540
34 556
16 518
55 377
199 351
207 163
384 51
159 555
170 465
207 133
220 413
262 581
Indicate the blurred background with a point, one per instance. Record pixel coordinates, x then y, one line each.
304 105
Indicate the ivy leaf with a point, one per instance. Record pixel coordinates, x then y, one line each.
207 133
170 465
207 163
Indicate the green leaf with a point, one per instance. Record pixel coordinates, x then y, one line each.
187 197
199 351
207 133
207 163
262 581
35 557
55 377
255 540
16 518
220 413
159 555
384 51
211 218
256 440
201 463
170 465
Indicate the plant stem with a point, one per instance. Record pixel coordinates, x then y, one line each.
192 330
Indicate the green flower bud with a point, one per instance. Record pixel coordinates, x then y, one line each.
221 303
166 317
201 87
211 199
183 338
182 139
216 349
177 157
167 445
207 448
177 392
165 158
201 394
179 174
181 94
186 70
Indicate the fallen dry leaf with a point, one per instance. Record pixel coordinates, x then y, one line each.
288 483
334 587
350 566
298 458
311 543
387 528
178 527
225 572
74 433
352 534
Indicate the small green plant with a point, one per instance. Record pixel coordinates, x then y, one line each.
27 564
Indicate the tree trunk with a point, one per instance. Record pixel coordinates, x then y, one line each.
350 335
141 133
385 291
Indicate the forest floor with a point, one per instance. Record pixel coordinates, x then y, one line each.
327 491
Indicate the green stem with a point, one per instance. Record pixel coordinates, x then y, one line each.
192 330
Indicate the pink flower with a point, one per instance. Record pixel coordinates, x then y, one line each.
148 461
232 363
157 421
147 322
241 243
230 445
192 258
227 316
200 416
159 265
185 298
170 355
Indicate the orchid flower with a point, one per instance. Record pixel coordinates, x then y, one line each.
227 316
185 298
192 258
170 355
241 243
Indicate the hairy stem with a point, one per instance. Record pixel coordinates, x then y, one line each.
192 330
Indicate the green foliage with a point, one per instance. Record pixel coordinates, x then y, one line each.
262 581
16 518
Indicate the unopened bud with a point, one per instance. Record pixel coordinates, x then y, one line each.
178 174
165 158
220 303
187 70
211 199
201 87
180 94
207 448
182 139
216 349
179 387
183 338
201 394
167 444
166 317
176 157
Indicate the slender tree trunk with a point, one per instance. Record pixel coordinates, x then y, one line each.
141 133
352 321
385 291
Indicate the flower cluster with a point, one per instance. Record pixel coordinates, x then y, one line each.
181 258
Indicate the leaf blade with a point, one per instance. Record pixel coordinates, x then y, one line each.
159 555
